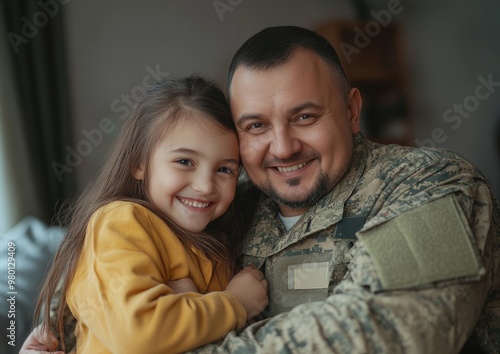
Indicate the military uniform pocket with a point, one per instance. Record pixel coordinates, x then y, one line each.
296 279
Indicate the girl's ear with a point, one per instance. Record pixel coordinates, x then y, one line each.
138 172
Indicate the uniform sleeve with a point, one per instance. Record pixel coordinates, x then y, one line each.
123 300
424 311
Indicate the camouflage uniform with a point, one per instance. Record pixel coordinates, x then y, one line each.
402 256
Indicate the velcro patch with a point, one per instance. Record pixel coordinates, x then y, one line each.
424 245
308 276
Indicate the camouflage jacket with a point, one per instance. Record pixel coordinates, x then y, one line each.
402 256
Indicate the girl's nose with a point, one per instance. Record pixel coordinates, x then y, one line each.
203 184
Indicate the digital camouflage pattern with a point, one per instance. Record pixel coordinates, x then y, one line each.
354 313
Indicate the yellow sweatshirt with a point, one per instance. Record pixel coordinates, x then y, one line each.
119 293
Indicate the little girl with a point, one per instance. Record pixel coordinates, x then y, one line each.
159 211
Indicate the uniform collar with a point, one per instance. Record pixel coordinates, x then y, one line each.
329 210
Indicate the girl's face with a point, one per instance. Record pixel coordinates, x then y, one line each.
193 172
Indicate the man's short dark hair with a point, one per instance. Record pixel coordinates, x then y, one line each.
274 46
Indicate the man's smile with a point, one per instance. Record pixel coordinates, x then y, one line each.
291 168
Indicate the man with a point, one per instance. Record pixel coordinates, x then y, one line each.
367 248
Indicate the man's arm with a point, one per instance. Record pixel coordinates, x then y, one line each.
432 321
354 320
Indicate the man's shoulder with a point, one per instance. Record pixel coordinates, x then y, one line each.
391 153
409 160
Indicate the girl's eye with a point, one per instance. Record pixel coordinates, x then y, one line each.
226 170
184 162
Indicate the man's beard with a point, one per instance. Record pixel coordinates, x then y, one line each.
320 189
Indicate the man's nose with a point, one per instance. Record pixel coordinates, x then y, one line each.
284 144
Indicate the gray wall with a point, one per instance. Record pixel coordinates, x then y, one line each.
450 45
114 45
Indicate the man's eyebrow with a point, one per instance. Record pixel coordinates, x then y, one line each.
247 116
303 106
198 153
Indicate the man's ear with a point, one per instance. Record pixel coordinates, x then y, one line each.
138 172
354 103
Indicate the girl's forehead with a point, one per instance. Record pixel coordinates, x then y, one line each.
201 133
191 121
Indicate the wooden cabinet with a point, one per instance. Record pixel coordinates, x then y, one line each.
373 58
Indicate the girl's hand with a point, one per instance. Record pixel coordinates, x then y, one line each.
183 285
250 287
39 342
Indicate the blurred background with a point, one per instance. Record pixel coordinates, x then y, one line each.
70 70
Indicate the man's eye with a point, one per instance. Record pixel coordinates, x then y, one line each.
255 126
306 119
184 162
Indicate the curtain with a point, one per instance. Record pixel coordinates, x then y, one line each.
35 39
16 186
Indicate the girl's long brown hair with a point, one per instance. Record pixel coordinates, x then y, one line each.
164 104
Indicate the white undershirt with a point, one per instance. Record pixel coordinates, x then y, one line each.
288 221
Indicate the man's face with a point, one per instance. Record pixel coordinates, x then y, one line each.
295 129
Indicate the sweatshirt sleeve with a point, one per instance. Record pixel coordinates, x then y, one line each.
119 292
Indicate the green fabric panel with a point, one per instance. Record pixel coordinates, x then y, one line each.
424 245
